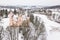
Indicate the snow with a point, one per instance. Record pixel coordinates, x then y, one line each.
5 23
54 35
15 17
21 36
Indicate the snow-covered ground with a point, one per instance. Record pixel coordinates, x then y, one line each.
49 25
5 22
51 35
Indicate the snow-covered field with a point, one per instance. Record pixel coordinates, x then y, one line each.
54 36
49 25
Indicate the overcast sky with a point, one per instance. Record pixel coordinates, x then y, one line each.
30 2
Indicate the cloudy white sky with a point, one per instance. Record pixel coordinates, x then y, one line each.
30 2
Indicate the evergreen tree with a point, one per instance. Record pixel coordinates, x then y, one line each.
2 11
1 14
31 18
6 13
14 11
